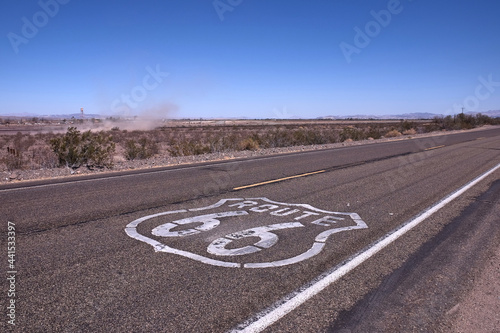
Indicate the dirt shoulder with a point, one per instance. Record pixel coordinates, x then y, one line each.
479 310
450 284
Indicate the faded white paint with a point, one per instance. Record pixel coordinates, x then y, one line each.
208 221
267 239
307 214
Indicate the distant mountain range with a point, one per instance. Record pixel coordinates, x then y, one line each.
492 113
54 116
416 115
419 115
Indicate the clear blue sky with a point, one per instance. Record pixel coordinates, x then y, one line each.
252 58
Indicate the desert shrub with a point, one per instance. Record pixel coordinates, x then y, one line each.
43 157
277 138
352 133
444 123
13 162
75 149
131 150
144 148
465 121
486 120
187 147
406 125
373 132
249 144
331 135
392 134
308 137
68 148
222 142
22 142
18 138
410 131
98 149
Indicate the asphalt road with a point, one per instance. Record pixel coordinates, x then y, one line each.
205 248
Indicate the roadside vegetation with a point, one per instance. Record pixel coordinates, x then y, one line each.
75 149
98 150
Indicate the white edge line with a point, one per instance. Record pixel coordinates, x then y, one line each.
272 314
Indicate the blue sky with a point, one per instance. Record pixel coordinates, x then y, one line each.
249 58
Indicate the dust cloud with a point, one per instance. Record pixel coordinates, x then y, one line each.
146 120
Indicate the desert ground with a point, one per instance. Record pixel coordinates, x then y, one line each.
27 148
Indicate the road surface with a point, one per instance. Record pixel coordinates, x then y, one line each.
366 238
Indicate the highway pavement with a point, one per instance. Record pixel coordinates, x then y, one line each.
245 245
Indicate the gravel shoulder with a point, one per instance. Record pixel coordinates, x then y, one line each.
479 310
450 284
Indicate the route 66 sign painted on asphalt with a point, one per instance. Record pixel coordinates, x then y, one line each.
238 232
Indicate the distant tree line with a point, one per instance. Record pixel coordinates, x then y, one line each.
464 121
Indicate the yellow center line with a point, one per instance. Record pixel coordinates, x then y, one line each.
481 138
435 147
278 180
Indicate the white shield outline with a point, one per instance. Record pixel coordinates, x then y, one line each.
319 241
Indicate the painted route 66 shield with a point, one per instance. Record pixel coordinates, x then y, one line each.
244 232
